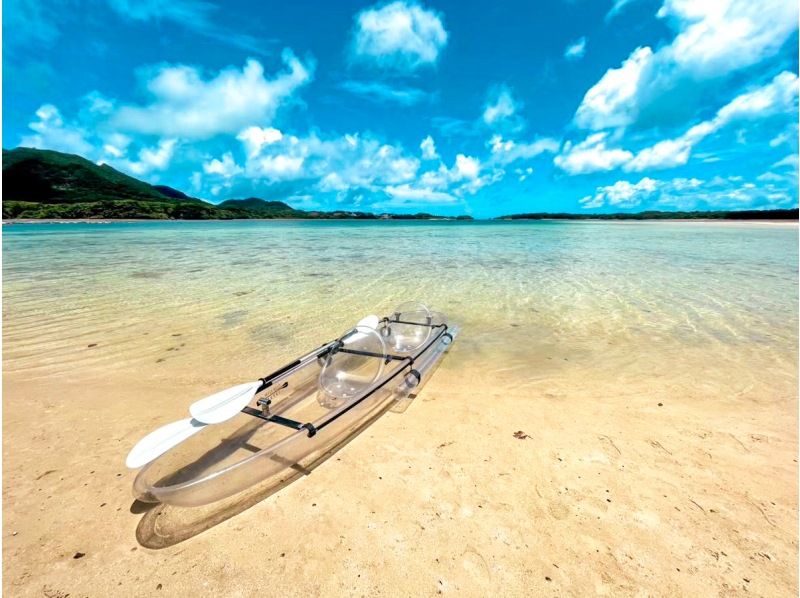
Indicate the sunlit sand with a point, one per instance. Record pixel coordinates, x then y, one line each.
617 416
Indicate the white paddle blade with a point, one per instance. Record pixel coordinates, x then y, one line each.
161 440
225 404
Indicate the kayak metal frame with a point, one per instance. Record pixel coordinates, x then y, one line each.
337 346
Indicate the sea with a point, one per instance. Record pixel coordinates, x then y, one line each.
223 301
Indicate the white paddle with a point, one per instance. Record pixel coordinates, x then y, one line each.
158 442
223 405
214 409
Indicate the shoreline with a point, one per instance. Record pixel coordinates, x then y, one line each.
768 221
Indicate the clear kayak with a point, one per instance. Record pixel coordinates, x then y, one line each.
299 412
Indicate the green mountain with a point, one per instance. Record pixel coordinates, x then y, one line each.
266 209
48 184
46 176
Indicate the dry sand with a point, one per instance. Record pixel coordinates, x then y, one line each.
567 476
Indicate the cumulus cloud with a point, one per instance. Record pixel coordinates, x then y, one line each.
225 167
428 148
713 39
612 101
335 164
501 108
402 35
621 194
467 167
505 151
354 168
188 106
664 154
115 145
254 138
693 193
150 159
51 132
576 50
419 194
382 92
779 96
591 155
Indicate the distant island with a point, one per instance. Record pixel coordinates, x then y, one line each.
45 184
788 214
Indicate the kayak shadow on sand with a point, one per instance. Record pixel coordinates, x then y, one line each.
165 525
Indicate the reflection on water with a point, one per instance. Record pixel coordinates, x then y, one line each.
222 300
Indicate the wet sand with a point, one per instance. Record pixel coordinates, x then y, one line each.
604 439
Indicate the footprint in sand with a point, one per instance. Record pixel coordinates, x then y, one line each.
475 564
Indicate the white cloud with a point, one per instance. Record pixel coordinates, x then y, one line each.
617 8
790 161
380 92
732 192
779 96
612 101
277 168
226 167
186 105
576 50
591 155
664 154
712 40
151 159
51 132
419 194
622 194
501 106
505 151
254 138
727 35
401 34
428 148
784 137
770 177
523 174
339 164
467 167
97 103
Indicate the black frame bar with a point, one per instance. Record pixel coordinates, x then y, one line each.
335 346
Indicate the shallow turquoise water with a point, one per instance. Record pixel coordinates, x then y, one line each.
208 298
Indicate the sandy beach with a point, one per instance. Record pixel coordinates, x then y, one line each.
577 440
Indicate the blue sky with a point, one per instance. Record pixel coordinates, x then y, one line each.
445 107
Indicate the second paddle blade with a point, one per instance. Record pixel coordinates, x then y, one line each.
225 404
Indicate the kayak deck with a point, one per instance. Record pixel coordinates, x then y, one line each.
292 421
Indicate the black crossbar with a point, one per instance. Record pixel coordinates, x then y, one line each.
372 354
327 348
282 421
429 325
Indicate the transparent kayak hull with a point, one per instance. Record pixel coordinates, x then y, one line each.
227 458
